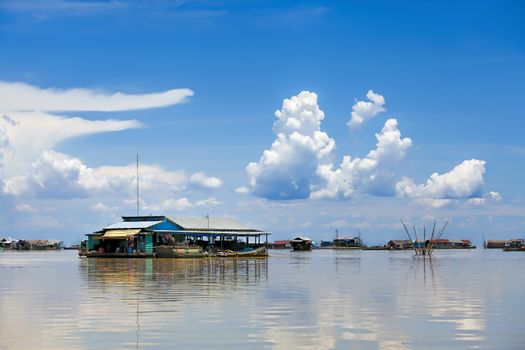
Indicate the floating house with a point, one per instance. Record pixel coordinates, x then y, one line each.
301 243
400 244
7 242
145 236
449 244
503 243
496 243
37 244
326 244
347 243
281 244
515 244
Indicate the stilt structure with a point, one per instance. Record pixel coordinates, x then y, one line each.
423 248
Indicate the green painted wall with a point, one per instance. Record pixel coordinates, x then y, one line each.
149 244
91 242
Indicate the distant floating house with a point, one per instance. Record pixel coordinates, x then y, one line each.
400 244
7 242
37 244
281 244
301 243
140 236
450 244
326 244
503 243
347 243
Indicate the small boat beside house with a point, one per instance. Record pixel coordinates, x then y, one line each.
301 243
180 251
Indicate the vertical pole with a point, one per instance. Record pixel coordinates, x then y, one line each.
137 184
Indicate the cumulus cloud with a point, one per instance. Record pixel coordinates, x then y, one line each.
4 144
58 175
242 190
363 110
463 182
288 169
25 208
103 208
16 96
203 181
374 174
182 204
462 186
299 162
28 133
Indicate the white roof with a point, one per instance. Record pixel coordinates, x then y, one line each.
132 224
214 223
301 238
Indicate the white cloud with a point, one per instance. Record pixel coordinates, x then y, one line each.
23 97
181 204
375 174
363 110
25 208
101 207
28 133
4 144
242 190
288 169
340 223
201 180
463 182
57 175
207 202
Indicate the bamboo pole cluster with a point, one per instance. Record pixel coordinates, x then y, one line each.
425 249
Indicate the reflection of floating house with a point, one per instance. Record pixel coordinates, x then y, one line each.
301 243
145 236
400 244
347 243
450 244
282 244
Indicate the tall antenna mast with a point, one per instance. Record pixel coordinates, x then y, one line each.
137 184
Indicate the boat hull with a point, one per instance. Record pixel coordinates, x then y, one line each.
257 252
180 252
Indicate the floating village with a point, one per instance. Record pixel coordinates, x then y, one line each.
200 237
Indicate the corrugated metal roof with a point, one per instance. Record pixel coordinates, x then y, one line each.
214 223
132 224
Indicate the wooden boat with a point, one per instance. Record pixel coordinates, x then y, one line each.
164 251
260 251
375 247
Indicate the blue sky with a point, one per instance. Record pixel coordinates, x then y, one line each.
452 75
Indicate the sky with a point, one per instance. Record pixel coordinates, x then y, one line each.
298 118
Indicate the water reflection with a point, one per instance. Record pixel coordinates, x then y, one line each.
314 300
161 293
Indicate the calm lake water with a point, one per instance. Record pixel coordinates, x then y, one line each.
293 300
